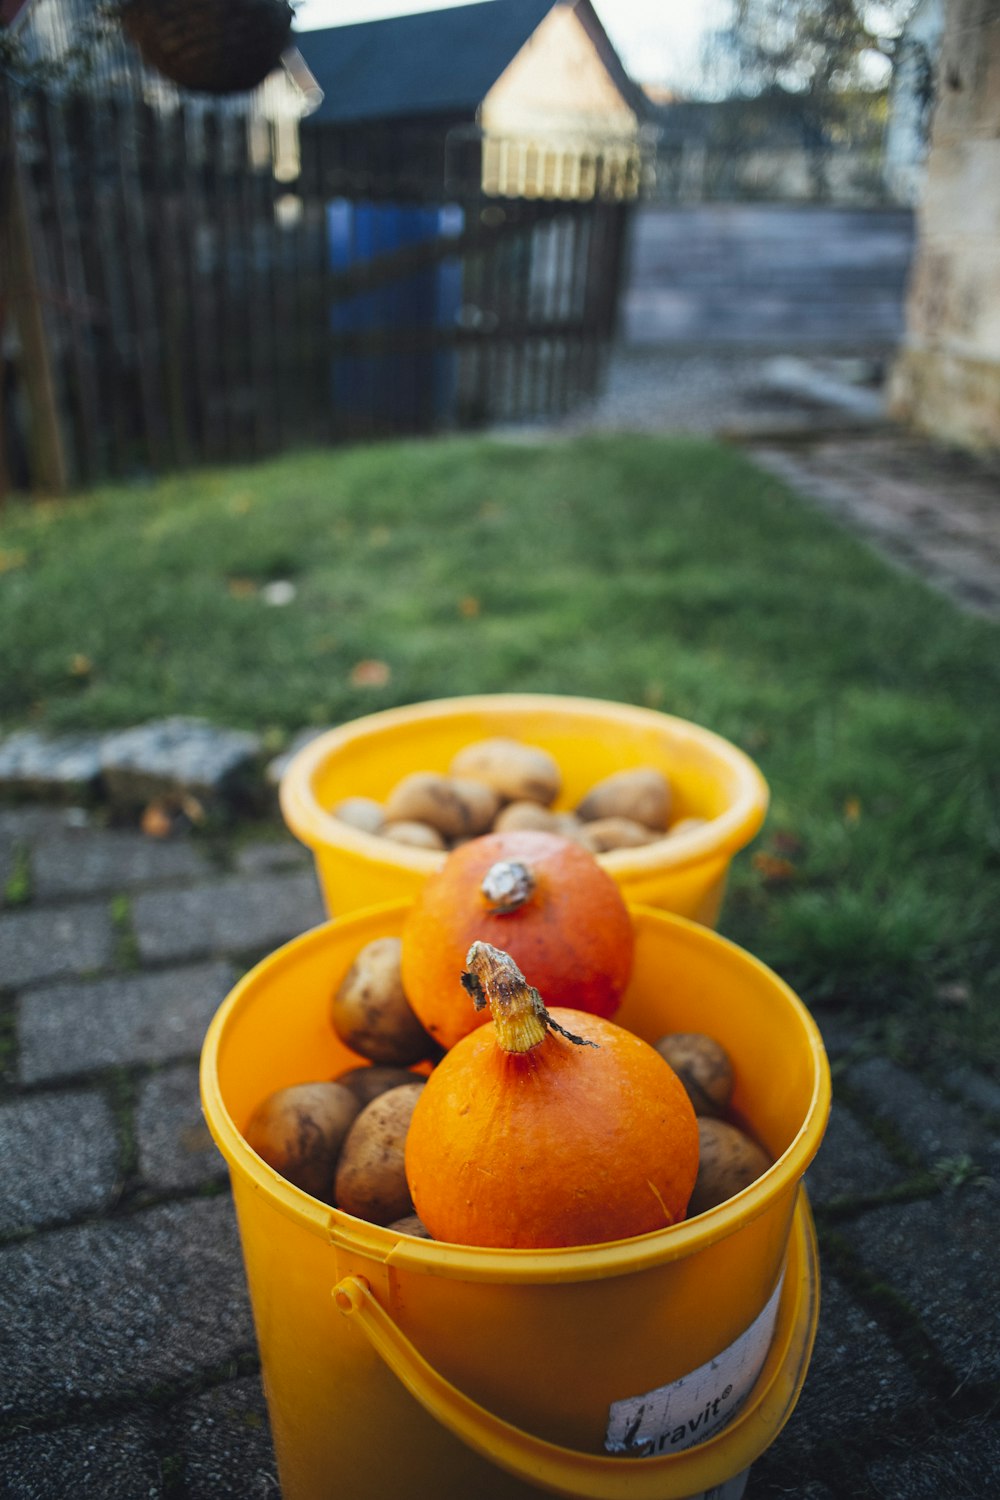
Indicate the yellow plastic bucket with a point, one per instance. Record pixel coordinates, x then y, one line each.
590 739
399 1366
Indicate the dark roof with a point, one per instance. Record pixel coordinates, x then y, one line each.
436 62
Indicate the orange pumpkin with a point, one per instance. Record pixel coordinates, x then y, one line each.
548 1128
538 896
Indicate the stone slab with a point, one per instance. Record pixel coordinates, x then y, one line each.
60 1158
175 756
20 825
850 1163
175 1147
227 1448
82 862
962 1464
114 1310
65 1029
43 765
940 1255
37 945
930 1125
106 1461
237 914
856 1382
976 1089
265 855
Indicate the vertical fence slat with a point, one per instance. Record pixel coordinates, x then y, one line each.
200 293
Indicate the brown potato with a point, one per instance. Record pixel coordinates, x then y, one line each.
533 816
420 835
703 1067
412 1225
480 802
371 1177
642 795
519 772
615 833
370 1011
366 1083
361 812
728 1162
455 806
300 1130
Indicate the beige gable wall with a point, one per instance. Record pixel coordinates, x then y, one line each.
557 82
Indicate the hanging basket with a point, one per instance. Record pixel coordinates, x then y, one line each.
210 46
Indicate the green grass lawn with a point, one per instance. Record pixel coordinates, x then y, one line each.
663 572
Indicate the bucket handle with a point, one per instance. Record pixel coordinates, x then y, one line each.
561 1471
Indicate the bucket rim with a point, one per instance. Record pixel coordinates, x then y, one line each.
489 1264
721 837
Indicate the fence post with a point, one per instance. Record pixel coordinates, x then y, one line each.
47 456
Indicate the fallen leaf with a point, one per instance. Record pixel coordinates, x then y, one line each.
852 809
786 843
370 673
242 588
80 665
165 816
156 821
469 606
774 871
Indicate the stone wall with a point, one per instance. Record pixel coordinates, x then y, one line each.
947 379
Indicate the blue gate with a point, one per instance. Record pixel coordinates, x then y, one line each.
398 389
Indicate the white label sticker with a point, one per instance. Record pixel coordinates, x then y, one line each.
697 1406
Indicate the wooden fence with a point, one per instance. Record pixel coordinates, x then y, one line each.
174 303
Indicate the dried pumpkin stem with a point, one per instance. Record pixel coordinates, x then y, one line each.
518 1011
507 885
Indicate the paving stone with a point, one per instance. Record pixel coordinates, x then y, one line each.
84 861
8 865
111 1461
264 855
979 1090
850 1162
940 1256
855 1379
175 1147
237 914
60 1158
36 945
760 1489
73 1028
19 825
64 766
962 1464
930 1125
174 757
113 1310
856 1382
226 1445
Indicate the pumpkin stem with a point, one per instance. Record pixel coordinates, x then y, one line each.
518 1011
507 885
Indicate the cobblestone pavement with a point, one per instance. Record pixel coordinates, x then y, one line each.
128 1364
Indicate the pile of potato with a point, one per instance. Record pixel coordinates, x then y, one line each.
498 784
343 1140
